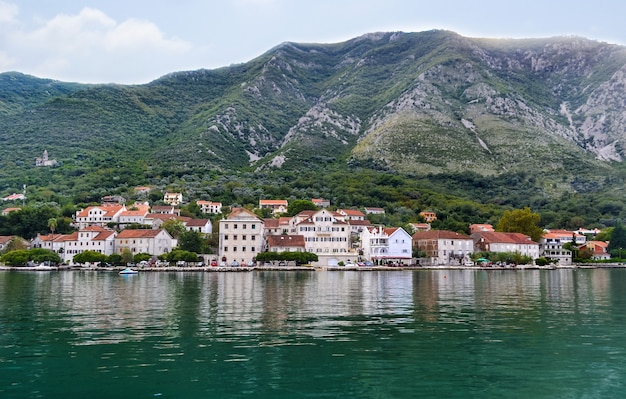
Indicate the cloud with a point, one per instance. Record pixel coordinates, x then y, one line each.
8 12
92 47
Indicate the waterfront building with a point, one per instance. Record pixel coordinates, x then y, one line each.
152 241
241 236
443 247
386 244
495 241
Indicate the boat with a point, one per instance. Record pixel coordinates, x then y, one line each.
128 270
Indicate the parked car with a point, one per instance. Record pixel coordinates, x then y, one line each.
214 263
234 263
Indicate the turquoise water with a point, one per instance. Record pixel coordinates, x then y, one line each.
324 334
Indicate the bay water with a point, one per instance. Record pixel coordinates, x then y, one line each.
314 334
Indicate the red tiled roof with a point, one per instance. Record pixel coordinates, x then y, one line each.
286 241
502 237
138 233
197 222
439 234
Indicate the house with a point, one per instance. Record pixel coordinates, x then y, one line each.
495 241
113 199
357 226
142 190
6 211
325 235
420 226
210 207
156 220
320 202
374 211
280 226
52 242
154 242
241 236
350 214
173 199
134 215
5 241
203 226
588 232
277 206
286 243
552 245
384 244
98 216
475 228
598 249
165 210
429 216
443 247
14 197
91 238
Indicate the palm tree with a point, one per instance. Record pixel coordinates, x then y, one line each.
52 225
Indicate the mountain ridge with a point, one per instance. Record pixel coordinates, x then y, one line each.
412 104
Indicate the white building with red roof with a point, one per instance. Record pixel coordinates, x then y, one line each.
153 242
387 244
496 241
277 206
203 226
100 215
210 207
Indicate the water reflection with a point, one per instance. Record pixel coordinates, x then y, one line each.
359 334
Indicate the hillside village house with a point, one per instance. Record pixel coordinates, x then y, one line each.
98 216
14 197
277 206
429 216
492 241
374 211
384 244
210 207
134 215
476 228
598 249
154 242
280 226
6 211
173 199
164 210
240 237
444 247
4 241
203 226
320 202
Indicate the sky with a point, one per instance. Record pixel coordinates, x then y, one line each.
137 41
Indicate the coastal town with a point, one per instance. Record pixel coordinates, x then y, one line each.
339 237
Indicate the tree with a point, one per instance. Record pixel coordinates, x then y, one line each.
521 221
40 255
52 224
618 241
89 257
297 206
174 227
127 256
16 258
192 241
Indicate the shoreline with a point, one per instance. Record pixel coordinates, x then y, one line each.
213 269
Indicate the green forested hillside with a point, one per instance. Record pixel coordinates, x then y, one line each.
407 121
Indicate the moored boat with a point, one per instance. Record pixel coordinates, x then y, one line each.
128 270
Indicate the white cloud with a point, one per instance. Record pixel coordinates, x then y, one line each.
8 12
92 47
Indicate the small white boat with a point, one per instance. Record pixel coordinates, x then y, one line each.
128 270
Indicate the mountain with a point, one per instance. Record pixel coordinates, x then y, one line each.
418 105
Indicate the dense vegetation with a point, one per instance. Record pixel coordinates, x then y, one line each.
374 121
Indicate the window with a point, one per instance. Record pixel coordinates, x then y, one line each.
254 226
235 226
244 237
234 249
244 226
225 249
225 225
226 236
